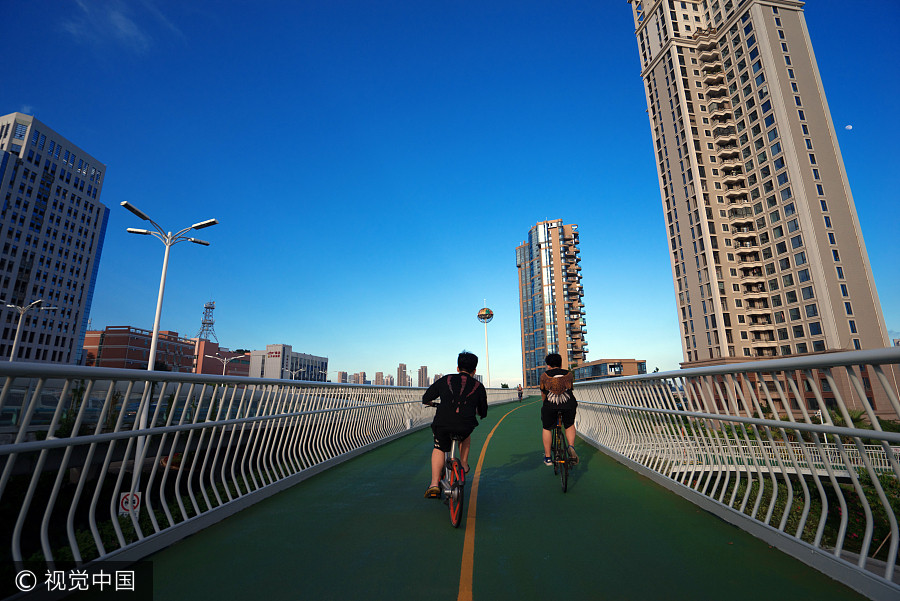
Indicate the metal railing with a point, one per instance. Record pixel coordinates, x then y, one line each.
802 452
82 481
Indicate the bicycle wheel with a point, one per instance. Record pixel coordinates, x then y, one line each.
562 458
457 497
554 450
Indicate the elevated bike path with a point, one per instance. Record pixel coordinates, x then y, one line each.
362 530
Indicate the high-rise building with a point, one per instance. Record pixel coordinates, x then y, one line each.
401 375
342 377
765 245
52 227
388 380
423 376
379 378
550 298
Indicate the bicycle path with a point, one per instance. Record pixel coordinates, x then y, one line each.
363 530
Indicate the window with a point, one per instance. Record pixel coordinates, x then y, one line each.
794 314
827 221
803 275
852 326
823 203
815 328
793 225
797 331
844 291
811 310
789 209
848 308
840 272
834 253
787 279
801 348
800 259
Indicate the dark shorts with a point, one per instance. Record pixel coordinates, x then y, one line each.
549 412
443 436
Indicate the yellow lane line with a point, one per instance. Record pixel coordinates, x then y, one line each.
468 556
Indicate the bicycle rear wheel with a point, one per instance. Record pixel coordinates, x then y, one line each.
456 500
561 458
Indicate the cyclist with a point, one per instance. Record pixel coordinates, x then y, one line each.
462 396
558 394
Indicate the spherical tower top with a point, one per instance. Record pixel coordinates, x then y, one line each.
485 315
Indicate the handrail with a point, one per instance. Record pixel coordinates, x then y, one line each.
785 448
212 446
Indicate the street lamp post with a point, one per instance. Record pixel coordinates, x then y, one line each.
225 361
36 305
169 239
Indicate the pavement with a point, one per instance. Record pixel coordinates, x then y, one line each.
362 530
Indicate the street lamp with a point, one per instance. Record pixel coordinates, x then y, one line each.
224 361
169 239
36 305
293 372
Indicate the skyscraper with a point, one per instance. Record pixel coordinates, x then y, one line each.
52 227
550 303
765 245
423 376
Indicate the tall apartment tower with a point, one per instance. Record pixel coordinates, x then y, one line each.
550 298
423 376
52 227
765 245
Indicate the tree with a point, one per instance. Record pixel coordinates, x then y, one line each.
504 386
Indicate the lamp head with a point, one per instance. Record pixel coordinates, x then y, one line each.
203 224
134 210
200 242
134 230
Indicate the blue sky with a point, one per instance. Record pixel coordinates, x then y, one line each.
374 165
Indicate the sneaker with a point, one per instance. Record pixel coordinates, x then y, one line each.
433 492
573 457
548 461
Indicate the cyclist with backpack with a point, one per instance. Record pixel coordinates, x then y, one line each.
462 397
558 393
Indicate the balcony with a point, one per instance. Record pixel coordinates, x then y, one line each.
732 192
709 53
717 90
733 177
728 151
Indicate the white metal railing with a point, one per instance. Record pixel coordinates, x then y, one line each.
72 453
801 451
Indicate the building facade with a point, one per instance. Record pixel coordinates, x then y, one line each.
423 377
610 368
279 361
52 227
126 347
213 359
550 298
401 375
765 246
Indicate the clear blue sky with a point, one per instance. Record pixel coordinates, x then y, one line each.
373 165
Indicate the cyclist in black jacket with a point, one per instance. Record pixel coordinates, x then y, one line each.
462 396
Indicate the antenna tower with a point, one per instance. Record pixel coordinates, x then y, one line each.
207 331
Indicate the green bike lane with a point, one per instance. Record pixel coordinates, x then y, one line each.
363 530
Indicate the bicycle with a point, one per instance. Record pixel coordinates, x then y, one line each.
559 453
453 484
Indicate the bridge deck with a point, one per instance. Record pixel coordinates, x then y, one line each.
363 530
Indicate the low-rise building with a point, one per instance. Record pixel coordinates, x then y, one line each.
610 368
129 348
279 361
214 359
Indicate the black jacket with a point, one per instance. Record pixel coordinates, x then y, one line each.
462 396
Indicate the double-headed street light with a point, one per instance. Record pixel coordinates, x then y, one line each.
37 306
225 361
169 239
